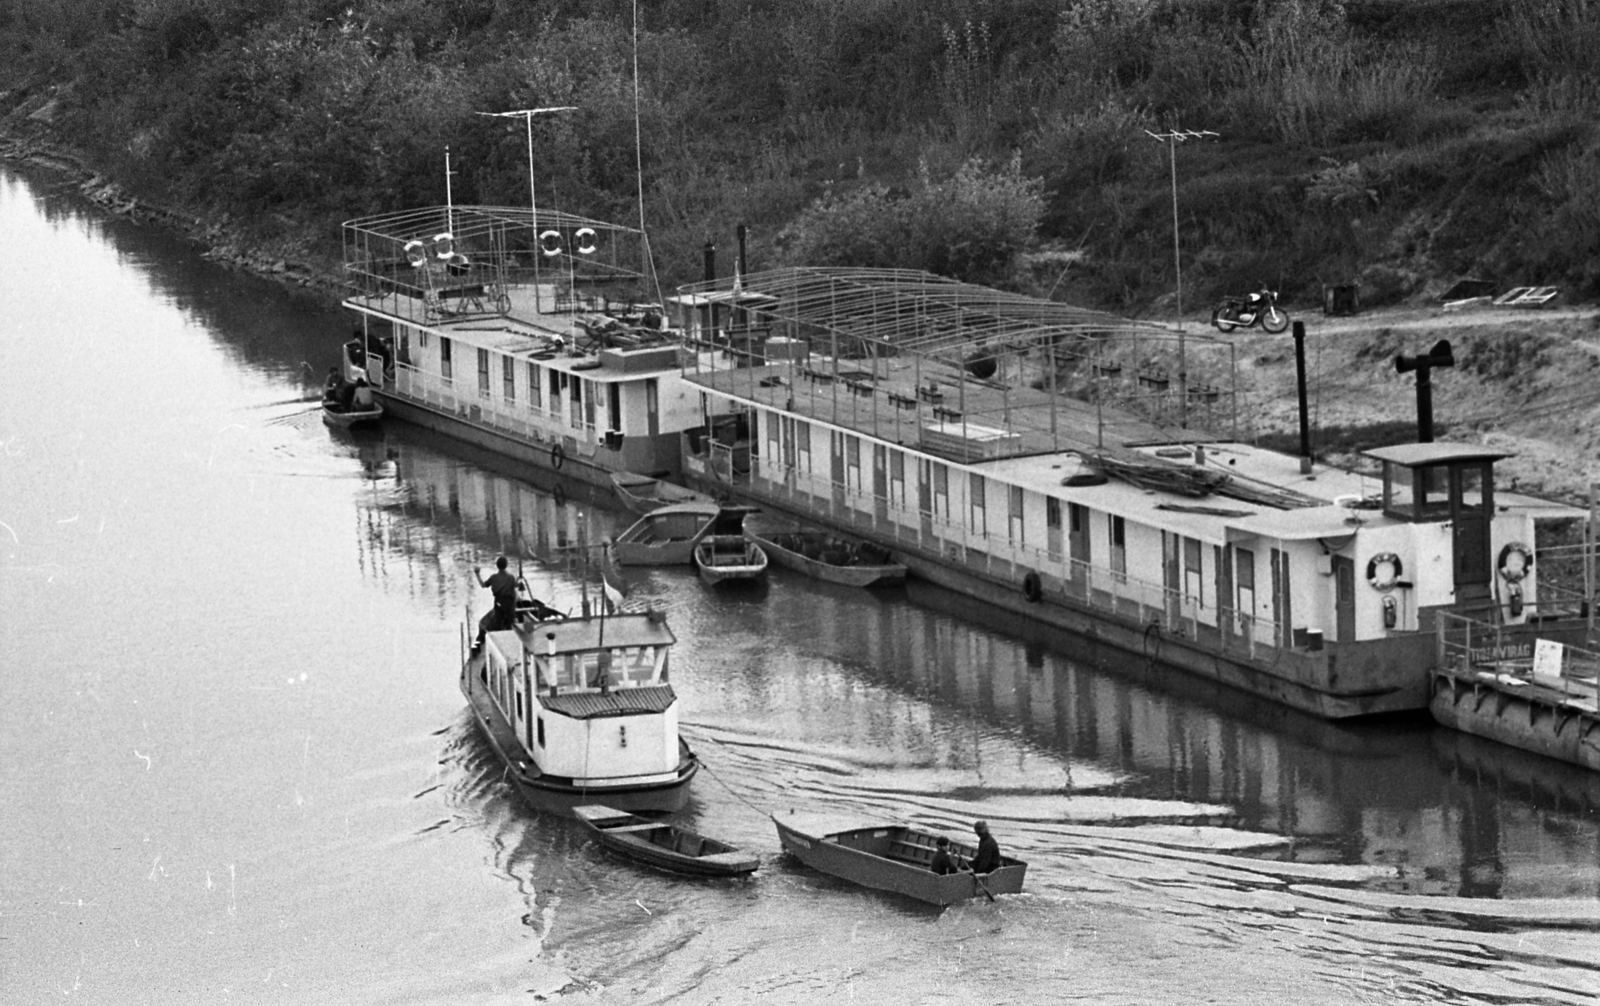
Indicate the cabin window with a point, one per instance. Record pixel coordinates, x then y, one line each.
535 388
446 364
978 510
520 713
422 339
880 471
941 489
483 373
1244 578
1014 513
575 396
540 725
614 404
1192 582
1119 548
1052 527
508 377
775 449
897 479
802 441
852 463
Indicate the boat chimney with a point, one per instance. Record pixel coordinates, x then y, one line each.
710 252
1300 388
1438 356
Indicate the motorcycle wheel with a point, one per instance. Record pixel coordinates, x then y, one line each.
1223 324
1274 320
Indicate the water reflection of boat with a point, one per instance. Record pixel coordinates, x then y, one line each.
641 494
822 554
663 845
890 858
729 558
580 710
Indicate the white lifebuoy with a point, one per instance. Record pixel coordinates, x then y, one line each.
585 238
550 243
443 245
416 254
1516 562
1383 571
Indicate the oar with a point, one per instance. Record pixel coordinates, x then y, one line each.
979 881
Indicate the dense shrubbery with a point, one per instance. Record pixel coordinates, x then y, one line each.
1412 139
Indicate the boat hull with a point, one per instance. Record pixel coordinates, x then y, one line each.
847 854
730 559
1523 715
641 494
345 419
664 846
774 537
562 796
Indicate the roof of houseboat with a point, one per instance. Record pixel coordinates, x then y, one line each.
1412 455
579 634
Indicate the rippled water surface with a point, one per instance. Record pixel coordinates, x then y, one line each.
235 765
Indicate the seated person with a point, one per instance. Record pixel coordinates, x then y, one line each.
988 857
942 861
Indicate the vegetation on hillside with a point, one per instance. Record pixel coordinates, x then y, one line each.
1402 142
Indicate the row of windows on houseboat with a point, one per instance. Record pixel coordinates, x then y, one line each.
539 388
1005 516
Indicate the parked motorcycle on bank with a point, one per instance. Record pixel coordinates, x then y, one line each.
1259 308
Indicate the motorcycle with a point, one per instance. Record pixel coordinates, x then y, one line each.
1259 308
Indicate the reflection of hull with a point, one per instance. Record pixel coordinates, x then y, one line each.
1524 715
1533 779
563 796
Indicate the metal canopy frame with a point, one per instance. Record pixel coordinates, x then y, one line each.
913 312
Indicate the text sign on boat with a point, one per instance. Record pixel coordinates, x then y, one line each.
1547 657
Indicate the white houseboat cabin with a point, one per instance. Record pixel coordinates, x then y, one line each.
535 337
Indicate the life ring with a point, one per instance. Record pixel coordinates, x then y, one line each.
1032 587
1516 562
586 240
558 457
1380 578
550 241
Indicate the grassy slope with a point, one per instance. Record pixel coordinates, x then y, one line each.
1404 143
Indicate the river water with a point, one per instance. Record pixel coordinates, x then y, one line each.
234 764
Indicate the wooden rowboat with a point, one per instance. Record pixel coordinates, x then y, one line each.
889 857
665 846
642 494
822 554
668 536
730 558
343 418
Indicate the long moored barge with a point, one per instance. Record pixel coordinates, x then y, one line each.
1027 453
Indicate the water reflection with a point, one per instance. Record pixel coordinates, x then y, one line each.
946 698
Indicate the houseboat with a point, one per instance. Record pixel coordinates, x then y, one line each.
1034 456
529 333
581 711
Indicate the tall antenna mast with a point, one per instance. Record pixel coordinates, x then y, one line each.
1172 138
638 165
527 115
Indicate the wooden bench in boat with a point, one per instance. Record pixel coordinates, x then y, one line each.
911 852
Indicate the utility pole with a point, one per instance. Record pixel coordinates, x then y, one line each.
1172 138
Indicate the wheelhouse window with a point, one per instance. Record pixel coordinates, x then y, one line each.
508 377
483 373
446 364
535 388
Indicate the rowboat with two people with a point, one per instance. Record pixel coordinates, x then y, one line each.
346 403
893 857
664 845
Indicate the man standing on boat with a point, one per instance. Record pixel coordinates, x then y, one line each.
504 588
988 858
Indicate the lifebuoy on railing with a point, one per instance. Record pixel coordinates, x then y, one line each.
444 245
558 457
1383 571
1516 562
416 254
550 242
1032 587
585 238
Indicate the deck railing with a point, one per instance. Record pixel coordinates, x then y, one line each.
995 557
531 424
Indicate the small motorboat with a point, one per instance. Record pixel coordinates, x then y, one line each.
891 857
822 554
663 845
642 494
730 558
